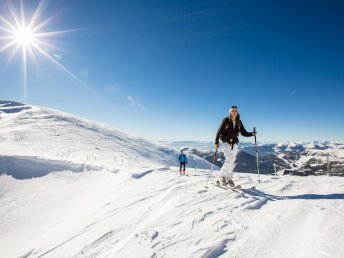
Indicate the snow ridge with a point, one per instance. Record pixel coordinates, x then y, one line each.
37 136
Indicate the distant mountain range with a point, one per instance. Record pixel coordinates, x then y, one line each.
298 158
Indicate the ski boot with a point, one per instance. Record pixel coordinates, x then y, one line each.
221 181
230 182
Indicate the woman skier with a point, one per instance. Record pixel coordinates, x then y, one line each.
228 132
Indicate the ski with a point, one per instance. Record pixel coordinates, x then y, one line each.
227 187
233 187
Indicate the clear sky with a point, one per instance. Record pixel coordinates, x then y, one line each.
169 70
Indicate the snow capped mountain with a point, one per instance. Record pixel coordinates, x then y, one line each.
128 201
301 158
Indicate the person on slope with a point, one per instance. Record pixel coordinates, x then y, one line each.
183 161
228 132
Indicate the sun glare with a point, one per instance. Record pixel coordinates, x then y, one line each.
24 37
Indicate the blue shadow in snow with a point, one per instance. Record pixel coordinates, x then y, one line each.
142 174
271 197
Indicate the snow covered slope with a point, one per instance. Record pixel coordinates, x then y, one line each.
140 212
140 207
41 137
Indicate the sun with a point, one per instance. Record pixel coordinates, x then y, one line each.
24 37
29 37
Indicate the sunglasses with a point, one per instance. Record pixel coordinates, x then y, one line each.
234 107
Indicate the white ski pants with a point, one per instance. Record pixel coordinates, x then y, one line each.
228 166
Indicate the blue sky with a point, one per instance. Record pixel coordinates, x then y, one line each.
169 70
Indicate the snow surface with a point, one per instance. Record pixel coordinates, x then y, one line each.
161 214
65 194
34 134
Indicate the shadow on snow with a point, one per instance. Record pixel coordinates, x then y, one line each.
271 197
25 167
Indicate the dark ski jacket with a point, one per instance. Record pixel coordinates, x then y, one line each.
228 134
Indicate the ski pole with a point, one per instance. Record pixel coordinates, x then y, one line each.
255 142
212 168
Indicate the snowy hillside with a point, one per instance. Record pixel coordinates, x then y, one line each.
49 140
126 201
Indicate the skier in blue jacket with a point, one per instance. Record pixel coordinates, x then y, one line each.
183 161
